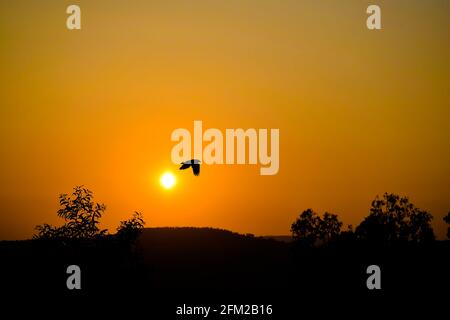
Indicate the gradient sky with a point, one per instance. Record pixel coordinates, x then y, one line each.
360 112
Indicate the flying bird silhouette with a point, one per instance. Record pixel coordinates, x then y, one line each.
194 163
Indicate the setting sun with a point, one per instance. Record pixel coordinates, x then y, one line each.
167 180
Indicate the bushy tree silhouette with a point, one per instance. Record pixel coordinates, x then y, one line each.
347 237
393 219
329 227
447 221
129 230
82 217
306 228
310 227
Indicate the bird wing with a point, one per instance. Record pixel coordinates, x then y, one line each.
184 166
196 169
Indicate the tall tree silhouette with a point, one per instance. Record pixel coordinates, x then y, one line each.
394 219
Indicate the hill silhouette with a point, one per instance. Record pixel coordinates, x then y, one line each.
168 267
213 258
204 259
173 266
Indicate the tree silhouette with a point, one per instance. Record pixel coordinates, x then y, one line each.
310 227
306 228
394 219
347 237
82 217
81 214
447 221
329 227
129 230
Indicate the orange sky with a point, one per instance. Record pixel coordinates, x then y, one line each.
360 112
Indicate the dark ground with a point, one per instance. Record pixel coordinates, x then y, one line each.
173 266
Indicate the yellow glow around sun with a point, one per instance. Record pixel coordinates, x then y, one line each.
167 180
